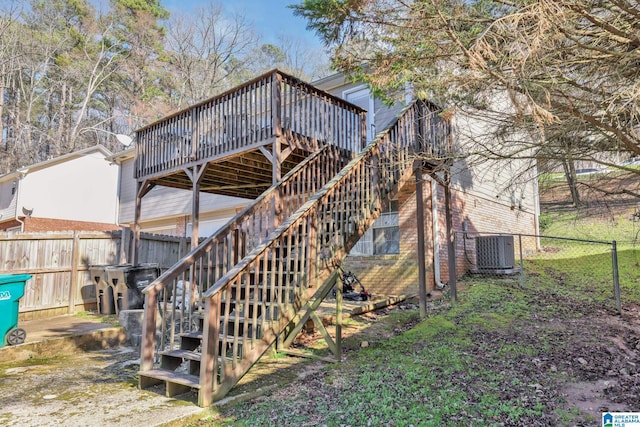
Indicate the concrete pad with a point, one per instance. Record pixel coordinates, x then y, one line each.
55 327
62 335
96 388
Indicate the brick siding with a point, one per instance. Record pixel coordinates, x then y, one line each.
398 274
51 224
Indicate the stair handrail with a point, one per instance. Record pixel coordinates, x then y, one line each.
185 270
278 275
175 270
394 149
369 150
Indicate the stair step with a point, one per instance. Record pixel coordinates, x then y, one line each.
198 335
183 354
192 334
171 377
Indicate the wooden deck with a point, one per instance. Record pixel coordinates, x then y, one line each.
266 272
247 138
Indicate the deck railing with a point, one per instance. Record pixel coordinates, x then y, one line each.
272 105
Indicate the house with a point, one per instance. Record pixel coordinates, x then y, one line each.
76 191
488 197
320 181
94 190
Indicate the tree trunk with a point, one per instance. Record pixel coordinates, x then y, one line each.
2 137
572 181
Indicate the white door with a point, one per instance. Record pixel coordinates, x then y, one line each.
361 96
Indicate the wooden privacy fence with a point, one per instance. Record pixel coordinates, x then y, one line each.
59 264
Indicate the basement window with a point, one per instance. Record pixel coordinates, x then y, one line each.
383 238
386 235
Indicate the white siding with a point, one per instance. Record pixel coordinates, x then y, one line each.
80 189
8 197
511 182
383 114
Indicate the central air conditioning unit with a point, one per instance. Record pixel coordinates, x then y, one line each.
494 253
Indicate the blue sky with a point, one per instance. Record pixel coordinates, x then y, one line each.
270 17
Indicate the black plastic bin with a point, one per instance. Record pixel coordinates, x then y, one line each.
104 291
128 281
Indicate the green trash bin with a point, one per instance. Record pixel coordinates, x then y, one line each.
11 290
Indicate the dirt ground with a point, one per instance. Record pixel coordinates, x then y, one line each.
94 388
601 195
594 367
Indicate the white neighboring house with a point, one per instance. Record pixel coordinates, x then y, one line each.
168 210
94 190
76 191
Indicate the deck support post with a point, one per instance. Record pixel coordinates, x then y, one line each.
451 237
195 174
143 187
276 112
422 270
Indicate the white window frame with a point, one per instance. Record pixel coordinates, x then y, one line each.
366 246
371 114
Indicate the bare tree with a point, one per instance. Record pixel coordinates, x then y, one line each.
206 49
569 67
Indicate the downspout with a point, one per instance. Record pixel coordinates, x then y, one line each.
536 206
123 234
436 232
118 185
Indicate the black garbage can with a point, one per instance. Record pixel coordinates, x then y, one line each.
104 291
128 281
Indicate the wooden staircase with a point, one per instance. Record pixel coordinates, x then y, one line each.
247 292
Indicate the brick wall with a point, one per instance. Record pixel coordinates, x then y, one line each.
398 274
50 224
9 224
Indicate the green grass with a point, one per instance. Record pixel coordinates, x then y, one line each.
586 272
576 224
31 361
462 365
429 376
585 269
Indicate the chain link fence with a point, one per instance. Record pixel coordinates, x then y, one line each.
588 269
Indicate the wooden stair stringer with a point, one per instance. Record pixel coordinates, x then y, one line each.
334 219
231 375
